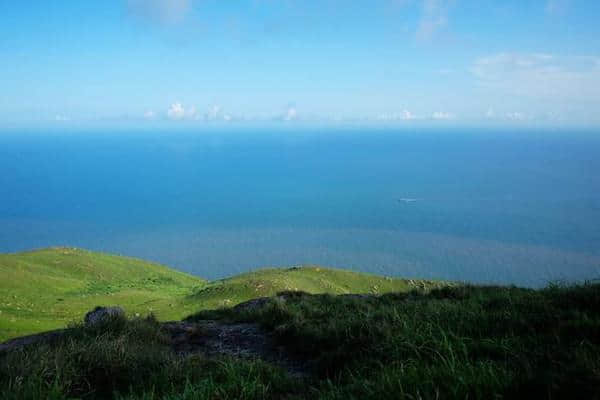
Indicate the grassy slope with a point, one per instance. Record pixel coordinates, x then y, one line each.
451 343
47 289
310 279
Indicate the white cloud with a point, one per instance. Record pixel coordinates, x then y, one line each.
543 76
149 114
216 113
290 114
433 19
442 115
213 113
517 116
176 111
404 115
161 10
192 113
61 118
514 116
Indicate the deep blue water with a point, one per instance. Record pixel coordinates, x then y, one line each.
508 207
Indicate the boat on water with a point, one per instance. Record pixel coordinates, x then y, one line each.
407 200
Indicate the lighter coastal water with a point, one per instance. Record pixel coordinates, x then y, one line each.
503 206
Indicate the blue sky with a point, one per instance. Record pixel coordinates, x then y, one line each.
145 62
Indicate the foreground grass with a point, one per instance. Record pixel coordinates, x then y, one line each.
454 342
449 343
130 359
46 289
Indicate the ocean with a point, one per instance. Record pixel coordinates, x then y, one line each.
484 206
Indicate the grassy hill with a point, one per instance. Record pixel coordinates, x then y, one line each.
311 279
46 289
49 288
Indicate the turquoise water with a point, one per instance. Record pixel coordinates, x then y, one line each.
482 206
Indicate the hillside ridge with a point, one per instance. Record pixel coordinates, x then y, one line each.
49 288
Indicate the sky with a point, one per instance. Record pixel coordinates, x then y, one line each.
189 62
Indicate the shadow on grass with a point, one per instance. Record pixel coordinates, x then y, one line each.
130 359
450 342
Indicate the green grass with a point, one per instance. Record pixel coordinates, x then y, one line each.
410 340
451 343
459 342
130 359
47 289
311 279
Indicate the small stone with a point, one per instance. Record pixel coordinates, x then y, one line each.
102 314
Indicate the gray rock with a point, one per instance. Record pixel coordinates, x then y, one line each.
100 315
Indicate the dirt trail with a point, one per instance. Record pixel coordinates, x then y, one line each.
243 340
